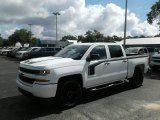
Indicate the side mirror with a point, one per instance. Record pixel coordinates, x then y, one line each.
92 57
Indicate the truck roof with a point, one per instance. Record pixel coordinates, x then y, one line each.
97 43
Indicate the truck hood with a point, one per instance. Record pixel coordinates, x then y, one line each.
50 62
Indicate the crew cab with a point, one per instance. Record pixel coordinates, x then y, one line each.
80 67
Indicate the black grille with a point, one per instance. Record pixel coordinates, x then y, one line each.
29 71
26 79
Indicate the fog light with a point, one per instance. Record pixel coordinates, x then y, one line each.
41 80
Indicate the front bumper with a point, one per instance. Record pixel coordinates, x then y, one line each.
38 90
152 63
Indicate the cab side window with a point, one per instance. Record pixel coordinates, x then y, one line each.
100 51
115 51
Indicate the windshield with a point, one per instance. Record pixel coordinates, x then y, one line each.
75 52
23 49
36 49
31 49
28 49
131 50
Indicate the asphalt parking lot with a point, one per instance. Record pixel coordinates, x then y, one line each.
115 103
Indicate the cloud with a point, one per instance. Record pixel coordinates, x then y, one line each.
10 31
75 19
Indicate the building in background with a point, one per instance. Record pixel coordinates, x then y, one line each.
153 42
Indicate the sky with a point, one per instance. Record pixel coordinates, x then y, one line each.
139 7
77 17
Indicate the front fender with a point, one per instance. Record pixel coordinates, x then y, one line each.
66 71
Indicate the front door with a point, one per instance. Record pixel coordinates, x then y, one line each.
95 73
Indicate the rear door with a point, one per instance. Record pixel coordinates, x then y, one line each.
116 67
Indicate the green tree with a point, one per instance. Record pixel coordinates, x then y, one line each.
92 36
108 39
6 42
23 36
89 37
116 38
68 37
96 36
33 41
154 12
1 41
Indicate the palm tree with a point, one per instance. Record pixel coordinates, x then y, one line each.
153 14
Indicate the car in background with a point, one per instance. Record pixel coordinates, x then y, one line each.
1 50
12 53
4 51
155 62
153 51
23 54
43 52
136 51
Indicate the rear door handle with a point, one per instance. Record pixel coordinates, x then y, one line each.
124 61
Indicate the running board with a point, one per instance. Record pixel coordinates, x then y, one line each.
108 85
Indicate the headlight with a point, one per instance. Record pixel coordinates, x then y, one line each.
44 72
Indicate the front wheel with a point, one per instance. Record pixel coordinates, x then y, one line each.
69 94
137 78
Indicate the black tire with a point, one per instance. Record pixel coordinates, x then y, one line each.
137 79
69 94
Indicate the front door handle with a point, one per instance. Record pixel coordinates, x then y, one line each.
124 61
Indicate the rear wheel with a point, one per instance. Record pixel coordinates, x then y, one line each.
69 94
137 79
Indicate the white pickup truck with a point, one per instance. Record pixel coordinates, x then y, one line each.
79 67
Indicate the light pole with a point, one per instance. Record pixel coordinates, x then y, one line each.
30 29
56 13
125 25
159 23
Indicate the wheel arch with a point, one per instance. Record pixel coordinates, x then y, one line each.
132 69
140 66
76 77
